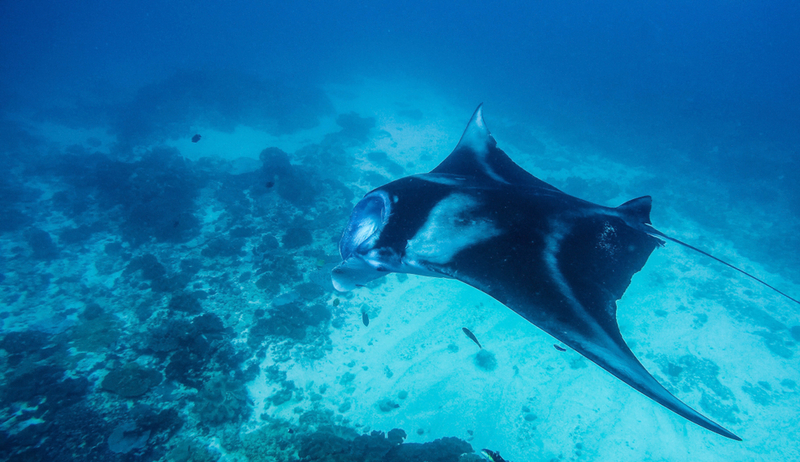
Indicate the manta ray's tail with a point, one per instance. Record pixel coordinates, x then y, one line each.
654 232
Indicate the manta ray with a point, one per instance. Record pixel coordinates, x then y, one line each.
558 261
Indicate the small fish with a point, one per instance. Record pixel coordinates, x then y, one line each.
492 456
196 138
472 337
559 348
365 318
269 184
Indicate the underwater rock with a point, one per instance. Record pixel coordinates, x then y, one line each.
309 291
275 161
167 337
131 381
155 195
127 438
224 248
485 360
283 395
155 273
387 405
192 451
441 450
75 432
162 425
78 235
324 446
396 436
291 182
28 341
221 400
289 320
191 266
47 387
96 334
208 323
297 237
31 344
242 232
185 302
213 98
333 443
356 127
41 243
92 311
186 367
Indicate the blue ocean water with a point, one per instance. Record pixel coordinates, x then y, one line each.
176 178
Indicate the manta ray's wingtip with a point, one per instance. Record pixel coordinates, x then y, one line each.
477 118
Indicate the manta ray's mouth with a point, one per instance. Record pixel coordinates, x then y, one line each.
366 222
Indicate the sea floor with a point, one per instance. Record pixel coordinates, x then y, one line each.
175 304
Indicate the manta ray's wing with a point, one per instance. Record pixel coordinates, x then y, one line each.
566 280
477 156
562 266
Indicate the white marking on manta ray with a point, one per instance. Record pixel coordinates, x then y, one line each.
551 250
475 138
449 229
552 245
447 180
605 240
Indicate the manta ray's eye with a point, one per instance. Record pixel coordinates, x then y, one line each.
366 223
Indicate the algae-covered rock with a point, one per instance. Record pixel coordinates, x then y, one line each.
131 381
